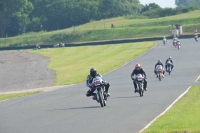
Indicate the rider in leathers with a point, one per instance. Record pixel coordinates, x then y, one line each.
169 59
90 92
159 63
139 70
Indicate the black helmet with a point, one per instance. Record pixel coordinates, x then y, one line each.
93 72
159 61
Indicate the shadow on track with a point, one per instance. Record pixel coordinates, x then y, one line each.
126 97
91 107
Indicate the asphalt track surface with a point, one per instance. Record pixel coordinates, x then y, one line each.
68 110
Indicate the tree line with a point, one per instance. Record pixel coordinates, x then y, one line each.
22 16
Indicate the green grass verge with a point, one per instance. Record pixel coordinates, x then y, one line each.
72 64
16 95
183 117
100 30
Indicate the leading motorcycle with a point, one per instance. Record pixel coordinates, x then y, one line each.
139 80
101 95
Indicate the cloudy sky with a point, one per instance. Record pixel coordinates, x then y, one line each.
162 3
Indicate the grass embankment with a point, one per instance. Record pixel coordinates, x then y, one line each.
72 64
183 117
125 27
16 95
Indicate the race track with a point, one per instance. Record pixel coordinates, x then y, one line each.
68 110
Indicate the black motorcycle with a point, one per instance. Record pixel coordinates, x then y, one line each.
169 67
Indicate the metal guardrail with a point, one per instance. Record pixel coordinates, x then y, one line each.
96 42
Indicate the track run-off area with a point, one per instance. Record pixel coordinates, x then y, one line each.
68 110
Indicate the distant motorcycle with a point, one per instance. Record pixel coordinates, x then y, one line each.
196 38
169 67
159 71
174 43
139 80
101 95
62 45
164 41
178 44
56 45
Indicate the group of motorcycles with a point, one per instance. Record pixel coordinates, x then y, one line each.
98 82
177 43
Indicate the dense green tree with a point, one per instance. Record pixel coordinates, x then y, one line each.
195 3
17 10
150 6
181 2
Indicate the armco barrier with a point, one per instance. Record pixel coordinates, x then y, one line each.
96 42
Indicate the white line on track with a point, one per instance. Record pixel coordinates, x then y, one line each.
197 79
165 110
43 89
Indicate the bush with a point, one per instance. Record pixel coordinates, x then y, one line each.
163 12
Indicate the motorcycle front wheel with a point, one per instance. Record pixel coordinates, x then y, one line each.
140 89
159 76
101 99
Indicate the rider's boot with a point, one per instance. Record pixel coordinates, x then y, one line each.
94 97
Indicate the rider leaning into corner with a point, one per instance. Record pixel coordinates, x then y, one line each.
159 63
93 74
139 70
171 61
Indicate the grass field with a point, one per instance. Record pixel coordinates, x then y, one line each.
183 117
125 27
72 64
16 95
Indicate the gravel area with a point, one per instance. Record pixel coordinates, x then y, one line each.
21 70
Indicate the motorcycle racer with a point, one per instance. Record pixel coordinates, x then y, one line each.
139 70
